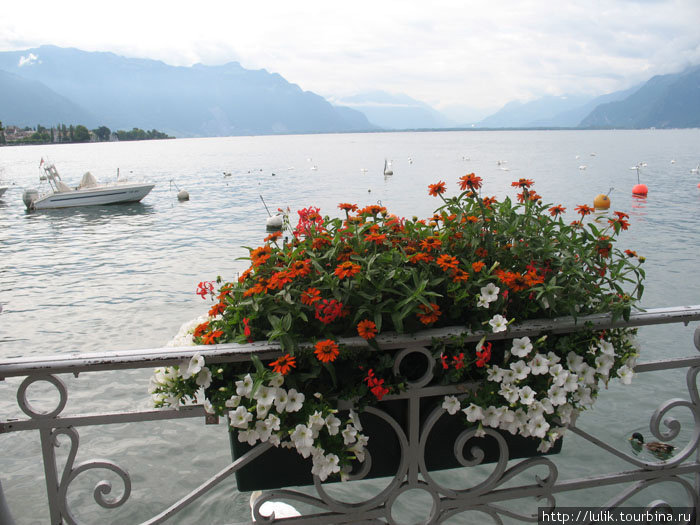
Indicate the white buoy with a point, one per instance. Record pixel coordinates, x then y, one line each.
182 195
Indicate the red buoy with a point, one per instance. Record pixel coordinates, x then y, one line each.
640 189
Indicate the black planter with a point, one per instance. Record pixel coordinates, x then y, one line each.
279 467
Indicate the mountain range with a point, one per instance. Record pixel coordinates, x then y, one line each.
122 93
49 85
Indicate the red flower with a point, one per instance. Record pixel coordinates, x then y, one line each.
326 351
431 243
443 358
631 253
418 257
483 355
328 310
375 385
458 361
376 238
436 189
246 329
284 364
367 329
204 288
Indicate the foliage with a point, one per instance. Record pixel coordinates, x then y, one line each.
476 262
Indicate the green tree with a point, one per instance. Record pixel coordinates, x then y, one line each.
102 133
2 134
81 134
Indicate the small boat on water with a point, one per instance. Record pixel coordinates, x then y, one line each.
88 193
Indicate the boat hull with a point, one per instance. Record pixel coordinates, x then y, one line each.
117 194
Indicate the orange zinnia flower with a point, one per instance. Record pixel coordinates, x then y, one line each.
326 351
418 257
209 337
367 329
372 209
347 207
376 238
310 296
217 309
273 236
202 328
584 210
300 268
470 181
478 266
523 183
447 262
284 364
260 255
430 314
431 243
347 269
556 210
436 189
459 275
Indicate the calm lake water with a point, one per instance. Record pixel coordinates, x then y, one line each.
123 277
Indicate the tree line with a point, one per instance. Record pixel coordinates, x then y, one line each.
71 134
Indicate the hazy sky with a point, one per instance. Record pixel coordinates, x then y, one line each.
480 54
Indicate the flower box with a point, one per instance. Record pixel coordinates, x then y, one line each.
334 291
281 467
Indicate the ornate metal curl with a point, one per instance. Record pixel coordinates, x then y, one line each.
642 485
26 406
427 376
70 472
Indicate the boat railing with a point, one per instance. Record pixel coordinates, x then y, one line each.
538 482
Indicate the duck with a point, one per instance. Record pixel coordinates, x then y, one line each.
655 447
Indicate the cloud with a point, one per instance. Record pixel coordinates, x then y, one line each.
444 52
28 60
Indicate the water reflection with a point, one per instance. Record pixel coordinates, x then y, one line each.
93 214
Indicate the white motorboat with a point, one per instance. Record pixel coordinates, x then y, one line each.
88 193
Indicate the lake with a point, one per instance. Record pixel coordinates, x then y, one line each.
124 277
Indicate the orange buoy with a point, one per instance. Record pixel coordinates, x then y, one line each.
601 202
640 189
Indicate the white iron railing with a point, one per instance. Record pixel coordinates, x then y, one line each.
683 468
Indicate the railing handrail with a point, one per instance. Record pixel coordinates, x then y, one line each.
166 356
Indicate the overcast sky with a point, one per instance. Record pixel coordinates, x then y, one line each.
480 54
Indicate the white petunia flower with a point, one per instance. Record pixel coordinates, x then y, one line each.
490 292
249 436
265 396
521 347
281 400
295 400
244 387
520 369
574 362
498 323
303 439
263 430
492 417
556 395
192 367
571 383
277 381
204 377
606 347
349 434
495 373
233 402
510 393
474 413
315 422
273 422
240 417
625 373
355 419
538 427
451 404
527 395
508 377
539 365
587 376
332 424
482 302
604 363
553 358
